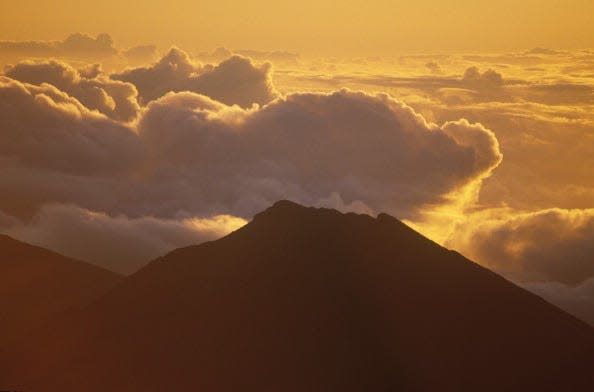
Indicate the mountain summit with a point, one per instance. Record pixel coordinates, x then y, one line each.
306 299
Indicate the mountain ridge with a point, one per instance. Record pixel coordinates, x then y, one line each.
37 284
311 299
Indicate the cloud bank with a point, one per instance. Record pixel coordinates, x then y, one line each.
554 245
189 156
548 252
78 46
308 146
117 243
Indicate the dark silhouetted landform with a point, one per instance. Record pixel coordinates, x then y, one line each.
36 284
305 299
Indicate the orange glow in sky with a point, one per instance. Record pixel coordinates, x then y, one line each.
350 27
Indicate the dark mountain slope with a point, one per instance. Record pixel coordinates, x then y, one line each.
305 299
36 283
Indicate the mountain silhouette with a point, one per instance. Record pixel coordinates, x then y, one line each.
36 284
306 299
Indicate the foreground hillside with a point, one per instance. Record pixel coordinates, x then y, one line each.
36 284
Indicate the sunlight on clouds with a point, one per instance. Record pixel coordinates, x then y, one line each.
439 222
219 225
546 245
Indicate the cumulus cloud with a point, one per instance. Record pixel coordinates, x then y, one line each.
79 46
234 81
46 128
530 134
54 148
488 79
168 74
189 156
115 99
140 55
305 147
553 245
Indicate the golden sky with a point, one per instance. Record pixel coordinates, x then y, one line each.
349 27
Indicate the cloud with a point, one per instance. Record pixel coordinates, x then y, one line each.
545 51
553 245
530 134
46 128
433 67
234 81
304 147
142 54
95 91
78 46
189 156
488 79
218 55
560 93
118 243
578 300
276 57
54 148
507 59
485 86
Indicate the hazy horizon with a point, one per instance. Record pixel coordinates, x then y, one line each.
354 28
